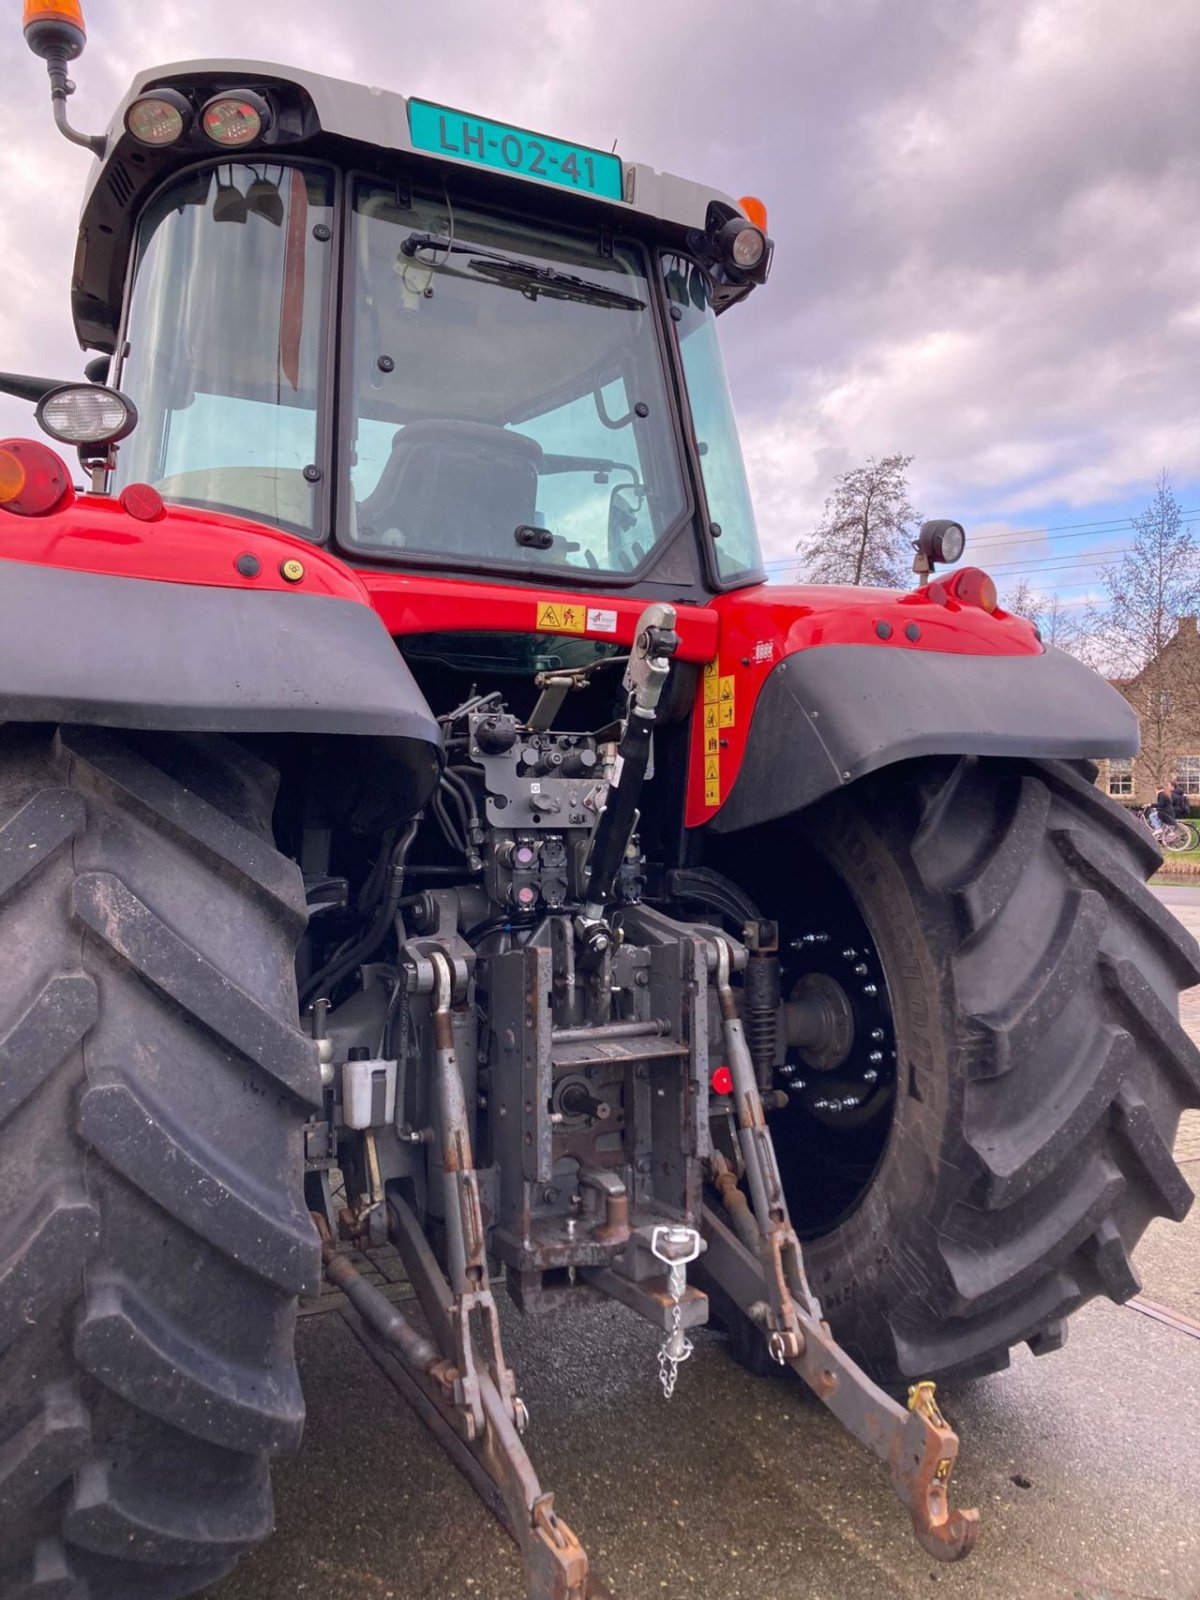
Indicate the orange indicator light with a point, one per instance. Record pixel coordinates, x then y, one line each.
755 209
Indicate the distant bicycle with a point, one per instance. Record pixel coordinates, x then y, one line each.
1175 838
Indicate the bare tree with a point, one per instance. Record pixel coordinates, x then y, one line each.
1067 627
1061 624
1023 600
1155 586
866 529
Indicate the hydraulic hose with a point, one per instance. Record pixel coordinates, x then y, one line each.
615 825
334 971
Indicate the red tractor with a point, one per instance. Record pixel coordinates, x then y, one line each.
407 779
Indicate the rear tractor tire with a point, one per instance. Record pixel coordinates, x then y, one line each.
1014 1139
153 1091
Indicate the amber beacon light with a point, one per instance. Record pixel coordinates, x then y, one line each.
55 27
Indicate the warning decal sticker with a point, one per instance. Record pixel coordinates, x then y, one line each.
559 616
719 706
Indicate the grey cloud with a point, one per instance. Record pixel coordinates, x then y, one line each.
984 209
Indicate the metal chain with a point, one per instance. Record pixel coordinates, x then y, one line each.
675 1348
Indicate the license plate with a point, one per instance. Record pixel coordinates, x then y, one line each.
444 132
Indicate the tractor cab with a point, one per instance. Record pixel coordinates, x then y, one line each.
417 336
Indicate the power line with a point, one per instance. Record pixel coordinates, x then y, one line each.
1040 563
1064 530
1064 527
1102 557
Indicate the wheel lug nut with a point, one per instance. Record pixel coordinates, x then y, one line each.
869 988
870 1075
876 1057
848 954
861 969
877 1035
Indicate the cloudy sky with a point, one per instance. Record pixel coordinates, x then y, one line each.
988 238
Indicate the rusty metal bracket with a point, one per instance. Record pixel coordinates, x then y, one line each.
494 1459
466 1242
917 1444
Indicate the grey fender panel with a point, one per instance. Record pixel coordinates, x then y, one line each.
829 715
134 653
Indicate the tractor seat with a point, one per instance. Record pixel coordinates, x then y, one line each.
459 486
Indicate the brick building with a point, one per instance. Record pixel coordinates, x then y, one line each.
1166 696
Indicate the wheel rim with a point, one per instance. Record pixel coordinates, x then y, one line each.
832 1134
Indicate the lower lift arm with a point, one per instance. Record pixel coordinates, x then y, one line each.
769 1284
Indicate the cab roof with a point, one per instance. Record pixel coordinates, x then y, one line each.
334 120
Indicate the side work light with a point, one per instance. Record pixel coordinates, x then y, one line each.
86 413
939 543
942 542
236 120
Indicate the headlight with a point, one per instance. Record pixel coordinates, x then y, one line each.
159 118
86 413
234 120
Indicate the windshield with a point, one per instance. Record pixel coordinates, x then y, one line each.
510 401
225 342
731 513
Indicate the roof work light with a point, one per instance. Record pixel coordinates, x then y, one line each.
236 120
159 118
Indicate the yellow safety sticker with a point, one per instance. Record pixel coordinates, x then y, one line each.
712 716
712 741
712 769
711 682
725 690
557 616
712 794
724 714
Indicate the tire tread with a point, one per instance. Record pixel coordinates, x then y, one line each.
117 1272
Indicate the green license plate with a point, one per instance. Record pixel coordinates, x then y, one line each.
444 132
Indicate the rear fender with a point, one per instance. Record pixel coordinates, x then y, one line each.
814 688
197 622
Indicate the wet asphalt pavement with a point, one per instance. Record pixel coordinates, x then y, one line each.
1085 1466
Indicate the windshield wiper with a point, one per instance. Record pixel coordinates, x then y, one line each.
528 276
